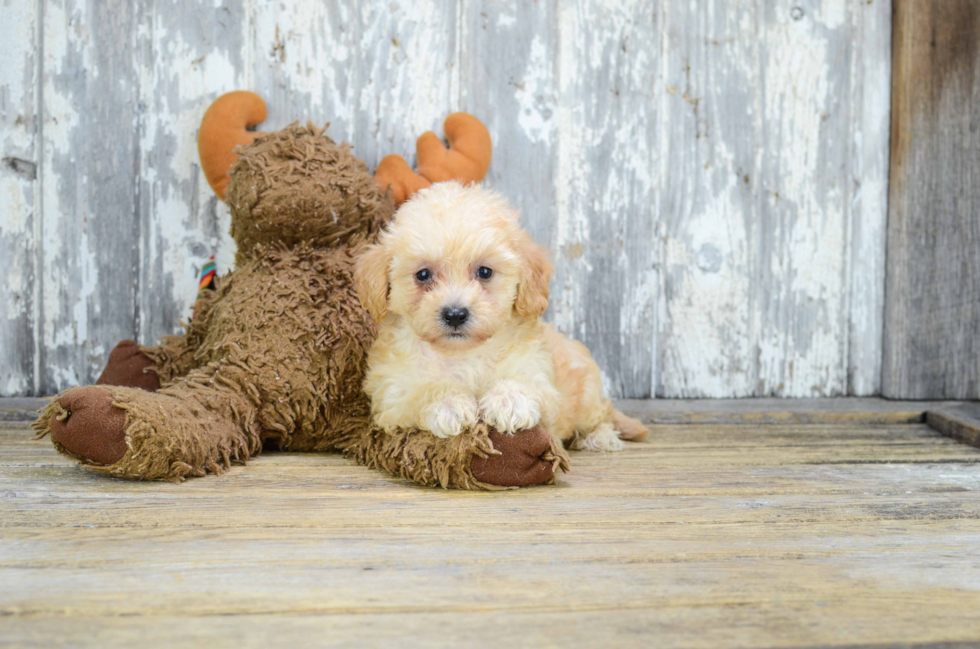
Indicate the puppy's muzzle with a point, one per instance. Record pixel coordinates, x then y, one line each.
455 317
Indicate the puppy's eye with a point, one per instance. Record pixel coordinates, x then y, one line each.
423 275
484 273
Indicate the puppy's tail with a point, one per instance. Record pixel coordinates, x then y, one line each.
631 430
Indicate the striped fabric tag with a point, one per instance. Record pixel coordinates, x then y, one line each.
207 276
206 282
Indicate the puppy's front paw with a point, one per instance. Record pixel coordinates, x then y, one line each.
509 408
450 415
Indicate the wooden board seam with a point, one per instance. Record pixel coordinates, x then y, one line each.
961 427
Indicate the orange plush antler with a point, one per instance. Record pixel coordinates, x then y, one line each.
222 129
466 160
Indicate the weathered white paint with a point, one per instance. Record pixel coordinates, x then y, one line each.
707 208
871 78
89 243
303 59
710 177
406 77
605 288
517 98
767 110
18 195
184 66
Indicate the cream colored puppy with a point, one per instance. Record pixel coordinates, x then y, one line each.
458 287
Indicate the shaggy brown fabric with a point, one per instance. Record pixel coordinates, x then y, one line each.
467 461
423 458
297 185
129 366
166 438
276 354
175 356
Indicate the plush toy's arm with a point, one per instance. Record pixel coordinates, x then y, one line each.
481 459
147 368
466 160
175 356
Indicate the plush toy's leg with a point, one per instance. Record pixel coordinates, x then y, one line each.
525 458
477 459
128 366
197 425
86 425
204 421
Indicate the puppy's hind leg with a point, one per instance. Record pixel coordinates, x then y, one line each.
604 438
632 430
608 437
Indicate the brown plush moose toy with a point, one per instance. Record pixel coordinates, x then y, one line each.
275 355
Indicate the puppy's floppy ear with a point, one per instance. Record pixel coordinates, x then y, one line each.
371 280
532 287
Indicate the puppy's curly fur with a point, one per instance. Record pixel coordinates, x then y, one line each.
458 289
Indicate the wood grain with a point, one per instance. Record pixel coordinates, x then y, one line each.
706 345
777 535
841 410
624 131
870 109
406 76
89 268
604 291
19 192
961 422
303 62
932 315
184 65
711 626
773 218
508 77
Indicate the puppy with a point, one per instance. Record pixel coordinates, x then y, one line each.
457 288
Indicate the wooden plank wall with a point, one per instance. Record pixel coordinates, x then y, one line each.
710 177
18 195
932 338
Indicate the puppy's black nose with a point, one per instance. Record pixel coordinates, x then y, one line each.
455 316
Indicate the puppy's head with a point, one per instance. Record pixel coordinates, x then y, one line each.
456 265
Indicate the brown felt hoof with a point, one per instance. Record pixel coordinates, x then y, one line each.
520 463
91 427
127 367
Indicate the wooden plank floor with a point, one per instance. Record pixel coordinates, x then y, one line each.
707 535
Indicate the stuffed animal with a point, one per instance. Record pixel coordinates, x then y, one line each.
274 355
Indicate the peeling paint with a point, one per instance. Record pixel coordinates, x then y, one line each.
400 91
89 232
711 177
767 185
180 228
607 69
533 95
18 196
